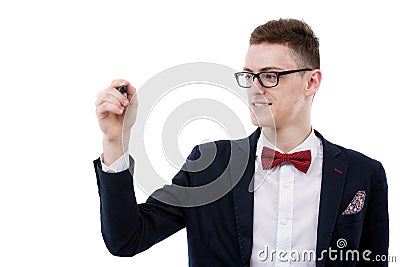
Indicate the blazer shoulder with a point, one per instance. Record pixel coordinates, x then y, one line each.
225 146
349 156
361 163
218 147
356 156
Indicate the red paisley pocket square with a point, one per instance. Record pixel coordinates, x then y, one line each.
356 204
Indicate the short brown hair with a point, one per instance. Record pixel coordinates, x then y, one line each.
296 34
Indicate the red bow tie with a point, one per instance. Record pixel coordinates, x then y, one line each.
271 158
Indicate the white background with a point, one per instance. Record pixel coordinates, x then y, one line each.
55 56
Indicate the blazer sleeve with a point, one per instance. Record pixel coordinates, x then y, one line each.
375 233
127 227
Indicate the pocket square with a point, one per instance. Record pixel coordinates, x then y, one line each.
356 204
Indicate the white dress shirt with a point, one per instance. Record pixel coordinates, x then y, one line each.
121 164
286 205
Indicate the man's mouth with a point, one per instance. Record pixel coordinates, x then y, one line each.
259 105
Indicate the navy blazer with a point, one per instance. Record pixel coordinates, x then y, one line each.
221 233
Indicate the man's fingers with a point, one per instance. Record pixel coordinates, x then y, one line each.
130 89
112 92
108 107
112 98
117 83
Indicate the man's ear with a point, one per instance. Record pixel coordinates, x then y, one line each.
313 82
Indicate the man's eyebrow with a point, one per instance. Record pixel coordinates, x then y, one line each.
263 69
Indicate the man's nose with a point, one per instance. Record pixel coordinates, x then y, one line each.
256 87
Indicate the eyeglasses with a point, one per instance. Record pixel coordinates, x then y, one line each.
267 79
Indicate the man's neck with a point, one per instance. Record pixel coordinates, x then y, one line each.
287 138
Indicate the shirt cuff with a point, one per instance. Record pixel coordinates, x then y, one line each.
121 164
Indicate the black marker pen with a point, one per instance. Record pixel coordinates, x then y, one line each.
123 90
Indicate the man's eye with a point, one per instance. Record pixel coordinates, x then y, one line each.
247 76
270 76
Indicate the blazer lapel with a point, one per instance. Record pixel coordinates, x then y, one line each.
333 181
241 169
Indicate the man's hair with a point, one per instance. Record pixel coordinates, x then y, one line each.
295 34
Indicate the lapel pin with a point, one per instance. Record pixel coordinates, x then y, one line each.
338 171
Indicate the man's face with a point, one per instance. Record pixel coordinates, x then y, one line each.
286 104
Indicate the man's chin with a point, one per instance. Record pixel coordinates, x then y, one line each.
267 123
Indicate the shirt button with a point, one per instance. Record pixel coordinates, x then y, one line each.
283 221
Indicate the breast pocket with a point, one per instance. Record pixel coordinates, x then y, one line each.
350 218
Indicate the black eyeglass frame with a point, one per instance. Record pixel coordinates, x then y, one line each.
277 73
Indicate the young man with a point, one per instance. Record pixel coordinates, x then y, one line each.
299 197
